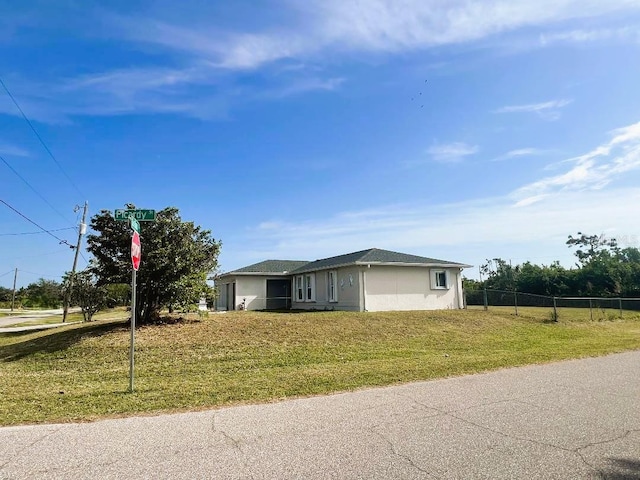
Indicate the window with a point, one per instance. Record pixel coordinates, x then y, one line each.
439 280
305 287
332 286
299 289
310 287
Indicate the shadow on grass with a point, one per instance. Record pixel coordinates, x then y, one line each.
50 341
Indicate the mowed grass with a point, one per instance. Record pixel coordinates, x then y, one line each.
80 372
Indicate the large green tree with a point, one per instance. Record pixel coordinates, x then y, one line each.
43 293
177 258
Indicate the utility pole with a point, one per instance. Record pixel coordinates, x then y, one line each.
13 297
81 231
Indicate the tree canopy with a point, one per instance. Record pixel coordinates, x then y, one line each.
603 269
177 258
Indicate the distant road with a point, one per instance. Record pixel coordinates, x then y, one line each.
578 419
32 315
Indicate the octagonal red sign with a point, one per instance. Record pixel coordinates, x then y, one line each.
136 251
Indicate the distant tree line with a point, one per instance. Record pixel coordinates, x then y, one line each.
40 294
49 294
603 269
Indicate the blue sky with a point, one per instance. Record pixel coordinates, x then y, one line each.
304 129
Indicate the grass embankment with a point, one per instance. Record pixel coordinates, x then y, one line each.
80 372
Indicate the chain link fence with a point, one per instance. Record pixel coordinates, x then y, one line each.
587 308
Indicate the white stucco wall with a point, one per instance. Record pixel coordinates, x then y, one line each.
348 291
254 290
409 288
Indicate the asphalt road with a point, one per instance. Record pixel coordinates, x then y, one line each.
569 420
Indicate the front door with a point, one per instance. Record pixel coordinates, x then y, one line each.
231 296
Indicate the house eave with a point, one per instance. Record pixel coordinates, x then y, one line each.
253 274
424 265
461 266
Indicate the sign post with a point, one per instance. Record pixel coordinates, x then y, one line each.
134 217
136 251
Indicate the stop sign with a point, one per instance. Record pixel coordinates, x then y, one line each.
136 251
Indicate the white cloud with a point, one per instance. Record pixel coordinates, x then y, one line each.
198 90
520 152
363 26
451 152
534 220
466 232
594 35
304 85
13 150
547 110
592 171
203 50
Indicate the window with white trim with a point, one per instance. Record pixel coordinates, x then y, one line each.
332 286
439 280
310 287
299 288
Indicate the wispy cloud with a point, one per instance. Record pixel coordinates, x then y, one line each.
630 33
591 171
198 90
520 152
547 110
12 150
452 152
483 226
365 26
534 218
196 54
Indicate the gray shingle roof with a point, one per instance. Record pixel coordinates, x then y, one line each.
372 256
270 266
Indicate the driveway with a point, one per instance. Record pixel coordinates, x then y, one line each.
569 420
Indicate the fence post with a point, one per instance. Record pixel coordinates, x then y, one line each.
515 300
555 310
590 310
620 306
486 301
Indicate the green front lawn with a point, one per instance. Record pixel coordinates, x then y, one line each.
81 372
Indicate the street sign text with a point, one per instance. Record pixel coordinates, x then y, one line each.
140 215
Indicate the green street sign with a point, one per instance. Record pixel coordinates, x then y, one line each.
134 224
139 215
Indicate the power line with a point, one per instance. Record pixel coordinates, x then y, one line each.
5 274
39 137
35 233
65 242
33 189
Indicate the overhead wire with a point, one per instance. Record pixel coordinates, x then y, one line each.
35 233
15 102
65 242
32 188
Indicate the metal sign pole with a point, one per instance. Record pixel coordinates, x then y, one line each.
133 328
